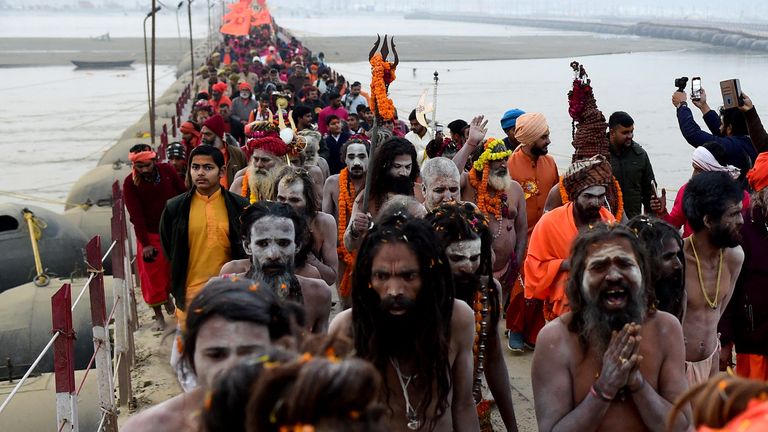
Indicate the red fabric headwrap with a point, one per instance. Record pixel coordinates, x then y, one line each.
270 144
142 156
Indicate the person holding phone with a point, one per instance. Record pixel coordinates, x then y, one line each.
754 125
729 129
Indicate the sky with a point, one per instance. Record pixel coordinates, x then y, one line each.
733 10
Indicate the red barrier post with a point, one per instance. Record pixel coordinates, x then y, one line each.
64 359
164 136
101 344
120 294
174 126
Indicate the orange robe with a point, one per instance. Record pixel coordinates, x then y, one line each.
536 178
752 366
550 245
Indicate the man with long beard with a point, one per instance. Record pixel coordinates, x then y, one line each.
293 186
712 205
614 362
500 198
664 246
256 181
339 195
405 320
395 171
464 235
547 263
272 234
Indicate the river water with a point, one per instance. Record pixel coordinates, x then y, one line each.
56 121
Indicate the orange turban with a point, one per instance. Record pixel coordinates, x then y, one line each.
758 175
530 127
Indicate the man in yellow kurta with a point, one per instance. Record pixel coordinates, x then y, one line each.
200 229
536 171
547 263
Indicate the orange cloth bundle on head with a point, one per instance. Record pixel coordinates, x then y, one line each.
530 127
758 175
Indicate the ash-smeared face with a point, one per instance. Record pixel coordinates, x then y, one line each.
272 245
464 256
356 160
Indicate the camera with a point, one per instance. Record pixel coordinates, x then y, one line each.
681 83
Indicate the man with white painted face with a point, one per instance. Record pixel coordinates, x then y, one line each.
614 362
339 195
440 182
712 204
229 320
293 186
463 233
272 234
405 320
395 171
547 263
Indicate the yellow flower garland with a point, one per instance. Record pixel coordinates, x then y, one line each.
489 154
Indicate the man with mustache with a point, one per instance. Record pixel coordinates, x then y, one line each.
272 234
664 245
613 363
404 319
536 172
339 195
547 263
440 182
146 190
712 204
293 186
489 185
256 181
464 235
395 171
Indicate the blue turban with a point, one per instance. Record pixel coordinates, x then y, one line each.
510 118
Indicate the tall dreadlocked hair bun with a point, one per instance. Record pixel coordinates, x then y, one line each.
589 125
434 306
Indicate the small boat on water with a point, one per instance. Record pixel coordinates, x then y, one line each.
102 64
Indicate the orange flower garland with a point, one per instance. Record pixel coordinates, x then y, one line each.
382 74
346 201
490 205
244 190
619 197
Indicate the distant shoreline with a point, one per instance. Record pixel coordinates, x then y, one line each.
346 49
47 51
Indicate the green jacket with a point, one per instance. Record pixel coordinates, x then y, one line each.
174 236
633 170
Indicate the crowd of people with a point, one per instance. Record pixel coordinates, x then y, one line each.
289 199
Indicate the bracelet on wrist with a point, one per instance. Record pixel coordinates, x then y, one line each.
596 392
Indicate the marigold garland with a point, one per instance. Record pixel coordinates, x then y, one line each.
346 201
619 198
487 203
244 190
382 74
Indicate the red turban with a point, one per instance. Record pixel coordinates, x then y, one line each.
758 175
270 144
244 86
216 124
219 87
